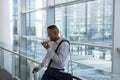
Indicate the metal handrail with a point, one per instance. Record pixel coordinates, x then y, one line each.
91 44
15 53
71 42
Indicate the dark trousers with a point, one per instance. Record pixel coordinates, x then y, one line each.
45 77
50 76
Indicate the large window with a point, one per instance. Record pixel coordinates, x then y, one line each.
84 22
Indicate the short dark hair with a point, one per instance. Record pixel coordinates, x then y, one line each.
53 27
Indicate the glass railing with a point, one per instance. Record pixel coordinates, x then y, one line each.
18 64
89 61
10 60
92 61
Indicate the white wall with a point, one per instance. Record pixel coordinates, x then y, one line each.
5 28
6 31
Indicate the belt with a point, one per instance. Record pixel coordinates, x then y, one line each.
55 69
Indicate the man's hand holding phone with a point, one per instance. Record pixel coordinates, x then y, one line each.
45 45
36 69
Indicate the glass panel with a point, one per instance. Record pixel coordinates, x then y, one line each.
77 22
15 30
62 1
35 50
89 62
17 66
16 43
36 23
36 76
1 58
15 6
30 24
35 4
59 1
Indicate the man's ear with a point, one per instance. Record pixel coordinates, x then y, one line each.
55 33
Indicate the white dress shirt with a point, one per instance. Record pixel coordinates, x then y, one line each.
61 58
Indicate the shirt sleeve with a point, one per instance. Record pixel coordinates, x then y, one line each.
58 57
47 58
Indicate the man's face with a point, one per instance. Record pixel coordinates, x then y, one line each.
51 34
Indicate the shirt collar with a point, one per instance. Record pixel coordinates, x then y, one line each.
59 40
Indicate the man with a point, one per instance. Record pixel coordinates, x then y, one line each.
56 59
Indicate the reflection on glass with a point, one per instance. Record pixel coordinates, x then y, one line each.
35 50
16 42
62 1
86 22
15 28
91 61
15 6
35 4
36 23
17 66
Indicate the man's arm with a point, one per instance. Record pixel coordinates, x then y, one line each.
45 60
